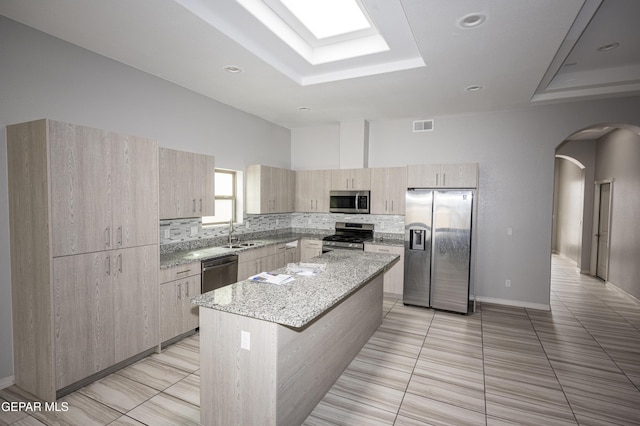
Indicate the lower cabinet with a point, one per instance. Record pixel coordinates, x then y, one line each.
104 310
393 278
177 314
309 249
261 259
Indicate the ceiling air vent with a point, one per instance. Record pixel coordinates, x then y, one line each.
423 126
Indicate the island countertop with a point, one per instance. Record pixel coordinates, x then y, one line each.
298 302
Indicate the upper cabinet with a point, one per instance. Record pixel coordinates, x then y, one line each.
442 175
388 189
357 179
270 190
312 191
186 184
103 189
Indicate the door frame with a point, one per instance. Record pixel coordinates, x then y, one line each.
593 269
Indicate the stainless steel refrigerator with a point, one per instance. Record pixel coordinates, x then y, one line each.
437 249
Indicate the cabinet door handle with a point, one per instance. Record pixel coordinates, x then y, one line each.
436 179
120 235
383 250
186 291
179 288
183 272
444 179
194 205
120 263
107 236
385 205
316 204
200 205
352 185
107 262
392 205
311 204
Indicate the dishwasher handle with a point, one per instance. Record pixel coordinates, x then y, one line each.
219 262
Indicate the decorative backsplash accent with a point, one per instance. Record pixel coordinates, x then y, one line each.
189 233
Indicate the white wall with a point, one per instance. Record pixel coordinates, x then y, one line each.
618 157
44 77
585 152
569 209
318 147
516 151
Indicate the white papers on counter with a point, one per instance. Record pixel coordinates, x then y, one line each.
272 278
306 269
292 244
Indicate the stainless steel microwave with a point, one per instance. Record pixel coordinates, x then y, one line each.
349 202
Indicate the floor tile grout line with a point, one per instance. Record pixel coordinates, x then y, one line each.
414 366
595 339
555 374
484 375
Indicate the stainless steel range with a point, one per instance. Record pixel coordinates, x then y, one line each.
348 236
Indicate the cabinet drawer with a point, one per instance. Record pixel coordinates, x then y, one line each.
179 272
384 249
311 244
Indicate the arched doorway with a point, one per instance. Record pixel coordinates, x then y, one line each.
596 178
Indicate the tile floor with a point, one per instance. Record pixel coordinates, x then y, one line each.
578 364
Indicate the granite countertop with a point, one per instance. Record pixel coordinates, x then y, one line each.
181 257
298 302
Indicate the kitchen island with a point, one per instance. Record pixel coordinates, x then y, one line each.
269 353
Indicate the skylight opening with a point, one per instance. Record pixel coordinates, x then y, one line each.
328 18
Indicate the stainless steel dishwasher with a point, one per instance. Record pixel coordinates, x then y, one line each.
219 272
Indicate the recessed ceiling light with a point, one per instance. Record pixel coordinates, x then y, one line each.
233 69
608 46
474 88
304 109
472 20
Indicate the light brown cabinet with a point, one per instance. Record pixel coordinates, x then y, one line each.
388 189
83 252
103 189
442 175
186 184
105 310
270 190
309 248
349 179
177 314
394 277
312 191
268 258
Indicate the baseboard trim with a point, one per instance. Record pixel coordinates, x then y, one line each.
514 303
5 382
623 291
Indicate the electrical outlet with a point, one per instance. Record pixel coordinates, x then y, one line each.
245 340
507 283
194 231
509 231
167 233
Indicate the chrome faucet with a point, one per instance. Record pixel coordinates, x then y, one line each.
231 229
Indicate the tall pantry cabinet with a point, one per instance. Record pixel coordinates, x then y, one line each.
83 207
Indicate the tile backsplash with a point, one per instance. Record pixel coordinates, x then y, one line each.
191 232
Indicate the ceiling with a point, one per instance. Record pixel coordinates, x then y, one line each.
525 52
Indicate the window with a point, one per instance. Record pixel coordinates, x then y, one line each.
226 200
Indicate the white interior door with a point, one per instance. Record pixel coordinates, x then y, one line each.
604 211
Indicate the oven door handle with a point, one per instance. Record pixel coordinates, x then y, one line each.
357 196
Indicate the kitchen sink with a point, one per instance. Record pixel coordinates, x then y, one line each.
249 244
233 246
